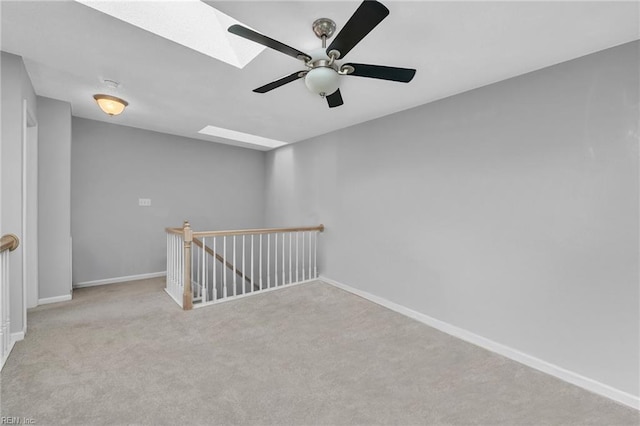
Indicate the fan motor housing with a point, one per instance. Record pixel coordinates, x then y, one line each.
319 58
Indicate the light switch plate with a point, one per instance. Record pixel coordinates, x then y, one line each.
144 202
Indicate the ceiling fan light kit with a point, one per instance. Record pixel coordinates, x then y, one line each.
323 73
322 80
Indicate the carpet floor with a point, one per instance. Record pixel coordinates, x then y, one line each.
311 354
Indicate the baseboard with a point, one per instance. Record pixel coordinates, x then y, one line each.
17 336
179 302
521 357
12 343
120 279
55 299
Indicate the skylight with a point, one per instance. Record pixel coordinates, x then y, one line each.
191 23
242 137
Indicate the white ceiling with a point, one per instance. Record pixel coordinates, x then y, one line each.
456 46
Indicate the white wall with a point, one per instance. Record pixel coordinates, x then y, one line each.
16 87
510 211
54 205
213 186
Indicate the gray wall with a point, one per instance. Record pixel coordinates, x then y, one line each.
54 198
16 87
510 211
214 186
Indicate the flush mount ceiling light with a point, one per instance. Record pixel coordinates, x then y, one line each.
110 104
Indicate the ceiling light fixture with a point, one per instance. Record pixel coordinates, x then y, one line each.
323 78
110 104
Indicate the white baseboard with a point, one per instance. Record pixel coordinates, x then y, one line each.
55 299
120 279
17 336
12 343
521 357
179 302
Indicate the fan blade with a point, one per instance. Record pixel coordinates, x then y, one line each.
334 99
280 82
403 75
364 19
244 32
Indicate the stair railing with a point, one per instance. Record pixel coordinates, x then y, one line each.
206 267
8 243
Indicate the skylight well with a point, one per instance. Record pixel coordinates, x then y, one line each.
240 136
191 23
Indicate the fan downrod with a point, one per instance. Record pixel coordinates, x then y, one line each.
323 28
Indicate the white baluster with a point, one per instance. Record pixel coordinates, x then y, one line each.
309 255
275 258
260 262
303 256
235 289
215 275
170 260
174 256
224 263
290 277
180 268
176 259
194 270
5 328
7 303
268 261
315 255
253 273
297 238
205 287
284 274
244 274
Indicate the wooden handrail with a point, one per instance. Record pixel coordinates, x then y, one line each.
9 242
178 231
319 228
174 230
197 242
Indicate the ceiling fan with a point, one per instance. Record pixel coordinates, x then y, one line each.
322 75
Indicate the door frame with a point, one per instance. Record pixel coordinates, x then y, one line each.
30 278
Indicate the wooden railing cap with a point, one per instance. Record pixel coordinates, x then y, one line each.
186 230
9 242
319 228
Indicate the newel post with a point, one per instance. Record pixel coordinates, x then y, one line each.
187 299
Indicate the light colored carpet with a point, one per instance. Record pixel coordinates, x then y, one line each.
310 354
